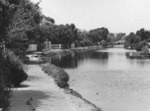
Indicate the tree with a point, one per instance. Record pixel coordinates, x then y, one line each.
82 38
111 37
66 35
8 67
144 34
26 17
141 46
7 10
49 19
131 40
98 34
120 36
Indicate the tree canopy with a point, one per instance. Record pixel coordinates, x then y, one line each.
137 40
98 34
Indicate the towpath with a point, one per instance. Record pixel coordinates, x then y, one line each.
40 93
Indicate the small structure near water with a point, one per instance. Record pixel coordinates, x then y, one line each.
32 47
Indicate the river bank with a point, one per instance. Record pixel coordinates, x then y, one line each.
46 56
54 52
110 79
61 78
40 93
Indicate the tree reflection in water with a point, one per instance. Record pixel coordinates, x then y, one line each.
74 59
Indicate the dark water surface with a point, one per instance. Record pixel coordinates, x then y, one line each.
109 78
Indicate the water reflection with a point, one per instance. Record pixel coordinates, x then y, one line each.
139 61
73 60
107 59
66 61
109 78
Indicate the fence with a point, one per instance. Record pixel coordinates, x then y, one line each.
56 46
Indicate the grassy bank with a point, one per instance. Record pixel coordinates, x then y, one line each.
60 76
61 79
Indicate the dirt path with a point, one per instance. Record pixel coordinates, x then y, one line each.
40 93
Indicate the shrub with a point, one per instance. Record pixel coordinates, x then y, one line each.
4 84
104 43
17 73
60 76
85 42
4 93
139 46
11 74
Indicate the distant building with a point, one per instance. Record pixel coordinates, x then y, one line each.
32 47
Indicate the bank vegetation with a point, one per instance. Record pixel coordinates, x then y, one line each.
22 23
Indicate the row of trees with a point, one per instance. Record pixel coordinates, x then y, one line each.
22 23
67 34
137 40
17 19
26 17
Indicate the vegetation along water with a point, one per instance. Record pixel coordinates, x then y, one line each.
109 78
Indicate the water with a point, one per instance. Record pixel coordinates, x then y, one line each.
109 78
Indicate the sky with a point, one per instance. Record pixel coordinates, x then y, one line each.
116 15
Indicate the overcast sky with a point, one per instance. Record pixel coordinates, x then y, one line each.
117 15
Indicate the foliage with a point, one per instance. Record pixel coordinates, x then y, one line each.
11 74
137 41
131 40
140 45
82 39
4 92
111 37
7 9
49 19
144 34
66 35
98 34
119 36
4 95
104 43
57 34
115 37
12 26
59 75
17 74
25 18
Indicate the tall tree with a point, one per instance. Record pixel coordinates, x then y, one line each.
7 10
98 34
26 18
131 40
144 34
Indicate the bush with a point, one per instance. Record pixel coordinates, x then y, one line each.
4 93
4 84
60 76
104 43
85 42
139 46
126 45
11 74
15 66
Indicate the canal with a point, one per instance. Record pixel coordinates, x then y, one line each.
109 78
